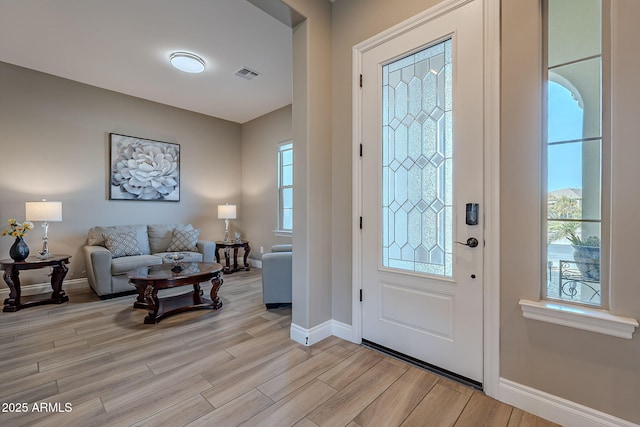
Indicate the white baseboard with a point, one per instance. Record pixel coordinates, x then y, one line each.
43 288
255 262
556 409
324 330
342 330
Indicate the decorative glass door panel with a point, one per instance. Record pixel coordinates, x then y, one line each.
417 162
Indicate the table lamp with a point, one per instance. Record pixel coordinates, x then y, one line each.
226 212
44 211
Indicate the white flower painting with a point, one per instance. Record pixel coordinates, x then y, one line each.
142 169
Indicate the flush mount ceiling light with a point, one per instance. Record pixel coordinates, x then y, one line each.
187 62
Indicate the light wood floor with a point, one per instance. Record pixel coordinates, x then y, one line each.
233 367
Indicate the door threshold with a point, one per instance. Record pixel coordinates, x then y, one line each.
424 365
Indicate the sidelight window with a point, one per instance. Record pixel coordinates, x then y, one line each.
574 149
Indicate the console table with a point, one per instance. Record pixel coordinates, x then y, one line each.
228 268
12 277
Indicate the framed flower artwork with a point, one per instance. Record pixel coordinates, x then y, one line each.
143 169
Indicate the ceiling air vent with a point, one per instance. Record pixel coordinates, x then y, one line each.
247 73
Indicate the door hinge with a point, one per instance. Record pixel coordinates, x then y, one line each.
360 223
360 150
360 80
360 295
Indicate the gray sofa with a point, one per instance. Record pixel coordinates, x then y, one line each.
276 276
111 252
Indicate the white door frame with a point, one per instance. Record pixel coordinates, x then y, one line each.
491 198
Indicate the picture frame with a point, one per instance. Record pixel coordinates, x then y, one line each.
143 169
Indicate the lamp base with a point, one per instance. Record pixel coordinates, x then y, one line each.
226 231
44 253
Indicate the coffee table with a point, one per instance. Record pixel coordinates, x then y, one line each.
148 280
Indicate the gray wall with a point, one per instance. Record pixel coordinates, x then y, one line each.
598 371
54 139
260 138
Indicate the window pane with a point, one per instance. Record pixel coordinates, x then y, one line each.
287 175
582 82
417 162
287 198
574 30
287 157
568 166
573 262
287 219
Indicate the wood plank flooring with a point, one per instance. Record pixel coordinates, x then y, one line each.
94 363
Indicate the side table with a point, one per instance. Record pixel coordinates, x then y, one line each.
228 268
12 278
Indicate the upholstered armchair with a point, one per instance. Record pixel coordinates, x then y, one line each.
276 276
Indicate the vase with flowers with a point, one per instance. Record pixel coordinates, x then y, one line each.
19 251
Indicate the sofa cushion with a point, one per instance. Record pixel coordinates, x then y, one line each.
125 264
188 256
95 238
160 235
122 244
184 240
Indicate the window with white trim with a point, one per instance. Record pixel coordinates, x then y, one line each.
573 150
285 187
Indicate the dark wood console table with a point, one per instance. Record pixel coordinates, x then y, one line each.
148 280
228 269
12 277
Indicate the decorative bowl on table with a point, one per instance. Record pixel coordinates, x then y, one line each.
174 259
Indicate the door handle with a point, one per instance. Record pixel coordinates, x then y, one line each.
472 242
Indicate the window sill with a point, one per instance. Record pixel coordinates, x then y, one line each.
283 233
588 319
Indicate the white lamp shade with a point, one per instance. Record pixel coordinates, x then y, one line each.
43 211
226 211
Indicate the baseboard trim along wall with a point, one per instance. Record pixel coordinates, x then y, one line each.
324 330
44 288
554 408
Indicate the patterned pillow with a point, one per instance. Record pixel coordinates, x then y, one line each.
122 244
184 240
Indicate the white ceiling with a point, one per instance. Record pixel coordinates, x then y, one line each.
124 46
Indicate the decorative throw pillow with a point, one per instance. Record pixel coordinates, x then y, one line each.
184 240
122 244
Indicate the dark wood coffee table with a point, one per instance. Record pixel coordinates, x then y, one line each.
148 280
11 276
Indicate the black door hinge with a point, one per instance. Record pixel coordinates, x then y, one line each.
360 150
360 80
360 223
360 295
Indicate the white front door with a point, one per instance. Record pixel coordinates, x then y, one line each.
422 135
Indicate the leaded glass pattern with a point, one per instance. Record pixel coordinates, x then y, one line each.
417 162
